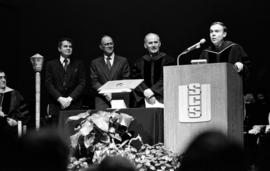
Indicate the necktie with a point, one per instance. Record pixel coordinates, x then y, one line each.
108 63
65 64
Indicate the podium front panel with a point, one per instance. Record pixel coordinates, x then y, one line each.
217 83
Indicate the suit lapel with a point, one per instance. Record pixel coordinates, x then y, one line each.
60 68
71 69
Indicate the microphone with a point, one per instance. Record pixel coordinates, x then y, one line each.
196 46
191 48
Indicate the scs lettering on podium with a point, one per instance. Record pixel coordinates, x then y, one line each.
194 102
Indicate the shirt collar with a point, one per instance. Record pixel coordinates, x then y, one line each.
112 57
154 57
62 60
7 89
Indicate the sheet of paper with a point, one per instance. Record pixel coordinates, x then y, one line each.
155 105
118 104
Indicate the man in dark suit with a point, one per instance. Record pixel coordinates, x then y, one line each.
65 80
106 68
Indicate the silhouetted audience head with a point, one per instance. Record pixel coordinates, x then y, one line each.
213 151
9 150
264 154
249 98
116 163
45 150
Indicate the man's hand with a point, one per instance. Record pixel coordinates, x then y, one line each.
2 114
12 122
256 129
148 93
69 100
152 100
239 66
267 129
108 96
64 102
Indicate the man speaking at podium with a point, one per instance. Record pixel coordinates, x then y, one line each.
150 68
224 51
105 68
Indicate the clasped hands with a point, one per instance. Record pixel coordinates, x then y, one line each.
256 129
65 101
10 121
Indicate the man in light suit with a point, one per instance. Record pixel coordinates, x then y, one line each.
64 80
105 68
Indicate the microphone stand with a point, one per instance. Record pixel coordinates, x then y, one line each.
182 53
187 51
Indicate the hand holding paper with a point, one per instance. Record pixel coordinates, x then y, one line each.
108 96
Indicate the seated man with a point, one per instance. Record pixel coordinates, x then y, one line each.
12 106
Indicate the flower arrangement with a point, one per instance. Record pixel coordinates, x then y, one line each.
104 134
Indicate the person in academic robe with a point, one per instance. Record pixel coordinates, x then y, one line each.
64 80
12 106
222 50
150 68
105 68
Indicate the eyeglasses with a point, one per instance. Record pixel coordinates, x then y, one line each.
3 77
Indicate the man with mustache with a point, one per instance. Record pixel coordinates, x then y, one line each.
150 68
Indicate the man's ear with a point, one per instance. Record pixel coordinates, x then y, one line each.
58 49
100 47
145 46
224 34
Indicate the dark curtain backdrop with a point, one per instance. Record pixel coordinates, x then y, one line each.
34 26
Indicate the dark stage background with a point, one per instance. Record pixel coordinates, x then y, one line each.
34 26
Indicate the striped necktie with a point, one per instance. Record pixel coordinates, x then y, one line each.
108 63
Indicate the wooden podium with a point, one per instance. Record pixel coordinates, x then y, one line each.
201 97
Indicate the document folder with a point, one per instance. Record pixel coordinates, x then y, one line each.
119 86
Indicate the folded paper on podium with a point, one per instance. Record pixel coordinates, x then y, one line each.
119 86
120 90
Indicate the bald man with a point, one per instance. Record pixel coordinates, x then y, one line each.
150 68
105 68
